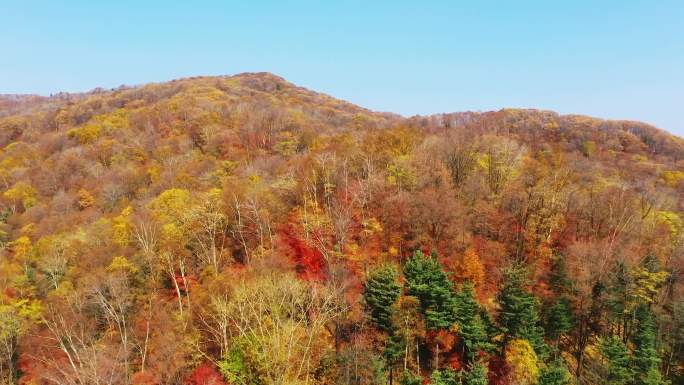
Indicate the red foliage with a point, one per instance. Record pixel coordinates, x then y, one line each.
308 260
205 374
181 283
454 361
498 371
27 367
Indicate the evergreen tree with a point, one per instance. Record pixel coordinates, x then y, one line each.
646 358
559 319
394 351
426 280
381 292
410 378
618 304
555 373
444 377
559 281
490 326
519 315
477 375
617 361
471 328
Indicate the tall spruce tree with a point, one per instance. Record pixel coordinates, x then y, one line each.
618 301
558 315
554 373
618 361
646 357
477 375
394 351
426 280
381 292
558 278
444 377
471 327
559 319
518 315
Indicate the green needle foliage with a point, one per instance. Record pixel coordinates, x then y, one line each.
381 292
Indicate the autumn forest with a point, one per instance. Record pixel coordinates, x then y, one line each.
244 230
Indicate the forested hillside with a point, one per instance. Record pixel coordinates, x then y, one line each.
243 230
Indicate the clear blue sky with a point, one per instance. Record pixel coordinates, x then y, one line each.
606 58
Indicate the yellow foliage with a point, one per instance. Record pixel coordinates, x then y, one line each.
228 167
8 164
171 234
672 178
171 204
29 310
401 174
214 194
121 263
522 361
121 227
672 220
253 179
64 289
85 134
114 120
371 226
22 247
17 317
352 251
153 172
22 192
646 284
589 148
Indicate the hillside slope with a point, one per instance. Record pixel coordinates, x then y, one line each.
246 230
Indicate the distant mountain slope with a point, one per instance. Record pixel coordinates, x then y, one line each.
241 229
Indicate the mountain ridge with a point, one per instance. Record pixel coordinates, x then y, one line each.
244 230
6 99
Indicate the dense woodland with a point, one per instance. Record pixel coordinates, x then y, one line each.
242 230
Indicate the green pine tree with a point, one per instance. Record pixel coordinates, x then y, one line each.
410 378
519 314
471 327
559 319
426 280
477 375
646 357
381 292
444 377
559 281
618 361
618 304
394 351
555 373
